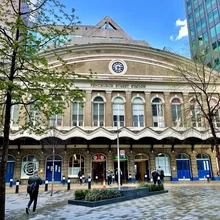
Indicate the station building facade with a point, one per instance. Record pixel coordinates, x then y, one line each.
135 98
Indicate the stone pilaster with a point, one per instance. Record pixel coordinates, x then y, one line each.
173 167
152 163
186 110
108 110
128 110
194 166
148 110
65 165
88 109
167 112
17 169
131 165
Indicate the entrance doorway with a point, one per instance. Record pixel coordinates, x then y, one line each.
183 166
57 168
203 166
141 167
10 168
99 167
123 166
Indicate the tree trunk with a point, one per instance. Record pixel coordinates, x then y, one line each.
5 155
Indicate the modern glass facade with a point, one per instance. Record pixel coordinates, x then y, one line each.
204 29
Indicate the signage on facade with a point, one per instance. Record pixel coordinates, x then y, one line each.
99 157
116 157
29 168
122 154
124 86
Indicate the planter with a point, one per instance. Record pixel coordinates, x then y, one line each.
127 194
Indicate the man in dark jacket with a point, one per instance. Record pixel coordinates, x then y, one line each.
155 176
34 194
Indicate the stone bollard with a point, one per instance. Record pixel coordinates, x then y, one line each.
89 182
17 187
68 183
46 185
11 183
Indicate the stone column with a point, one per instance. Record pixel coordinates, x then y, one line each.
173 167
128 110
87 165
152 163
213 164
17 169
65 165
131 166
148 110
88 109
194 167
186 110
167 110
108 110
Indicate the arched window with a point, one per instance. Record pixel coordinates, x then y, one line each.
216 113
138 112
98 112
176 112
118 112
77 113
202 156
195 114
29 164
157 112
76 163
14 115
56 119
34 112
182 157
163 162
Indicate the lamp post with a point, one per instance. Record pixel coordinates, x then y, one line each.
119 169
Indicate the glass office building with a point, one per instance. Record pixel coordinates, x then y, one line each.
204 29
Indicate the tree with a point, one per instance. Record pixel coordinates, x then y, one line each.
52 145
28 33
204 82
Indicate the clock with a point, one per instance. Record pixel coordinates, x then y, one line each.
118 67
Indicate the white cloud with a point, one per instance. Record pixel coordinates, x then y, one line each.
183 32
171 38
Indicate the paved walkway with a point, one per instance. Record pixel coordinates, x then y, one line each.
185 200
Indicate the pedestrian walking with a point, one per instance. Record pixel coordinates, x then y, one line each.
109 177
80 173
117 173
155 175
162 176
33 188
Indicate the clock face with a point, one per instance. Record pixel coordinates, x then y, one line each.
118 67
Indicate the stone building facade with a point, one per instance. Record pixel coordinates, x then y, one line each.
136 101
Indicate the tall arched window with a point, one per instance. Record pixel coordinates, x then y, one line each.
77 113
56 119
98 111
29 164
138 112
14 114
157 112
216 113
163 162
34 112
176 109
118 112
76 163
195 114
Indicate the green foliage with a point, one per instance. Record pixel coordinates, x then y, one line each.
34 76
80 194
152 187
96 194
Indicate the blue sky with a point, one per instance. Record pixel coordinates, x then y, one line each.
159 22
